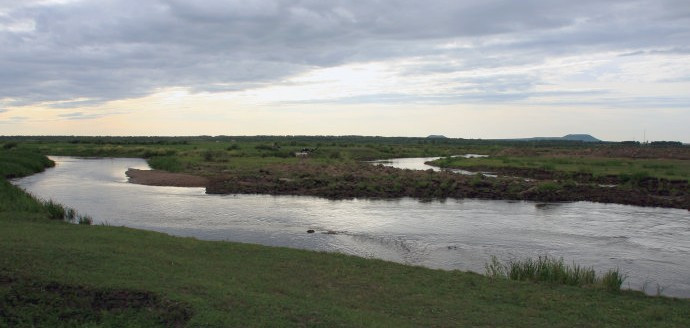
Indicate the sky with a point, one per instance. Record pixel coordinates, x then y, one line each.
618 70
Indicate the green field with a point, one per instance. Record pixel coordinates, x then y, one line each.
671 169
53 273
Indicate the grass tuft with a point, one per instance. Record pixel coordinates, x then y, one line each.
86 220
55 210
552 270
613 280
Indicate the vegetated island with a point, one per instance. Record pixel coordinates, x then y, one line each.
56 274
548 174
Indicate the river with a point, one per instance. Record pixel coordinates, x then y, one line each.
419 163
650 245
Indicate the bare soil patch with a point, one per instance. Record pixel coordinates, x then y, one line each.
31 303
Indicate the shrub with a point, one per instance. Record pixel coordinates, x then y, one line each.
570 183
266 147
87 220
548 187
612 280
70 215
55 210
477 180
635 178
168 163
9 145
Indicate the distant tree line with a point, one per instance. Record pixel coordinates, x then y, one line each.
334 140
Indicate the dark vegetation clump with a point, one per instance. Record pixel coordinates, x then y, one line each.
30 303
9 145
15 162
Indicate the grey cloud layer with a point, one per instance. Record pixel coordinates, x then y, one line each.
104 50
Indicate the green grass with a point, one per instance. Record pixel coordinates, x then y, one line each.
13 199
167 163
551 270
17 163
672 169
231 284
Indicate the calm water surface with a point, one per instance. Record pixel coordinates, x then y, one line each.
651 245
418 164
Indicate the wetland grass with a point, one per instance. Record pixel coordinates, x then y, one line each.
551 270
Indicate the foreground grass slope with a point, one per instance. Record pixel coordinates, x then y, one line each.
230 284
53 273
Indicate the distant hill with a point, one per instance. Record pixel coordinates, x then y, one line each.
437 136
580 137
569 137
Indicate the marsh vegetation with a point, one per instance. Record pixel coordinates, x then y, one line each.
334 167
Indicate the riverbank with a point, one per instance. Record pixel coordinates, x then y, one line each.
53 273
361 180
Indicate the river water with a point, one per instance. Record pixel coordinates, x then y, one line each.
650 245
418 163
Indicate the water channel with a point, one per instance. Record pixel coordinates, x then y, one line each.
650 245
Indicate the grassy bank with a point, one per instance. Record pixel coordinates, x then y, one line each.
626 169
53 273
229 284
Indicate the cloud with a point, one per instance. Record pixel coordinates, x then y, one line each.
105 50
14 120
79 116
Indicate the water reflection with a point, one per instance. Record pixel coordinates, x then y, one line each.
651 245
419 163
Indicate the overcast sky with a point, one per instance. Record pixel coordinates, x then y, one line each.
470 69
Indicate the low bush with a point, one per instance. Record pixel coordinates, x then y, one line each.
87 220
55 210
547 187
167 163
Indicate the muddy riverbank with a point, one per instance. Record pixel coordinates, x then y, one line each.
363 180
377 181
